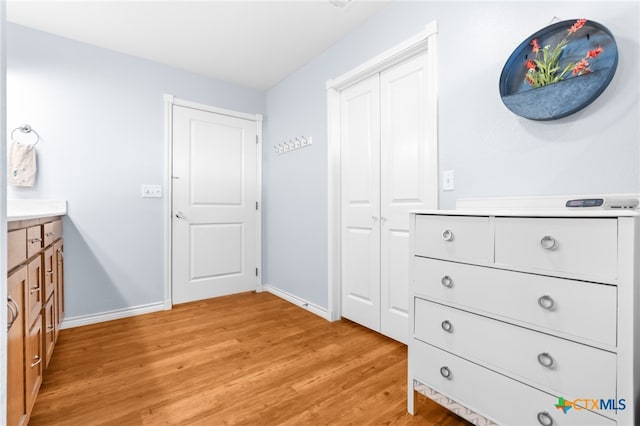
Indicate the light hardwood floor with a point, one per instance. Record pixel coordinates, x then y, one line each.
241 359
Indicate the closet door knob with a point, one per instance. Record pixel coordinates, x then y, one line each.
179 215
447 235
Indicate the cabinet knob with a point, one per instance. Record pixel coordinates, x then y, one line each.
548 242
35 240
545 360
447 326
374 218
545 419
445 372
546 302
12 308
36 361
34 289
447 235
447 281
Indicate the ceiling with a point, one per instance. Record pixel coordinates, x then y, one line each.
250 43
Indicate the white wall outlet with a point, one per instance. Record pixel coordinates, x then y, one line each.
151 191
447 180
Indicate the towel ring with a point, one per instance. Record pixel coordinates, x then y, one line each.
25 129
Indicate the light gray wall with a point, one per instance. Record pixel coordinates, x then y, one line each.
101 118
492 151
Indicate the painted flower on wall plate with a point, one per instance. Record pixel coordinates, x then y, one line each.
545 69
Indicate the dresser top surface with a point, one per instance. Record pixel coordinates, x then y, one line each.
574 212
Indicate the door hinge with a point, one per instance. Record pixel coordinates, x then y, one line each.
256 205
256 138
256 272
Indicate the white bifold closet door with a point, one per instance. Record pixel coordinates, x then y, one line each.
384 175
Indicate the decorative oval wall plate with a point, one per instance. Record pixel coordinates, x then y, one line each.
574 92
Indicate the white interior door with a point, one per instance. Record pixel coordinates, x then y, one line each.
215 221
360 171
405 183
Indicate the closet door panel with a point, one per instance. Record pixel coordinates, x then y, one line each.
404 183
360 173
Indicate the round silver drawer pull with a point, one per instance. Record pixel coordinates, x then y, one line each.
545 419
447 326
548 242
545 360
546 302
447 281
445 372
447 235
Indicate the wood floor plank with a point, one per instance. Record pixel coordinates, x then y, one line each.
244 359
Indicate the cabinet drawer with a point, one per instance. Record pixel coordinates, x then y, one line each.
16 248
584 248
490 394
52 231
453 237
508 295
34 240
538 358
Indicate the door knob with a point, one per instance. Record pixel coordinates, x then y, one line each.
179 215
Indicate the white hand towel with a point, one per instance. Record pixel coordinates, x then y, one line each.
22 164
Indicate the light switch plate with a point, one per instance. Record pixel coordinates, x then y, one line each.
151 191
447 180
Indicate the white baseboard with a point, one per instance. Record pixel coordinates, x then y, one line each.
321 312
113 315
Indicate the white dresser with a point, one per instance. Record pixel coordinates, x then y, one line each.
511 311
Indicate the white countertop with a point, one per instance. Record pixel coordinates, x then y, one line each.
25 209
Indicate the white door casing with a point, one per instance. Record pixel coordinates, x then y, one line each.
215 221
360 135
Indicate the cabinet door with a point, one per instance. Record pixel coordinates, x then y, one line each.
58 248
34 292
16 408
360 229
33 360
49 329
407 181
50 266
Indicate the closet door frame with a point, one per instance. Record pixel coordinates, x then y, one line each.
425 42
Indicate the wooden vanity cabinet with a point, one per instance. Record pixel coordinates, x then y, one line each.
35 305
16 404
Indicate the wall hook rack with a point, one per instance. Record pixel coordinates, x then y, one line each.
292 144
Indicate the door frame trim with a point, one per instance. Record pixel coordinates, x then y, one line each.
425 41
169 102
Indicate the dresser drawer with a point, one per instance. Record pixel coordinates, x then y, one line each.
584 248
543 360
490 394
453 237
508 295
34 240
16 248
52 231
